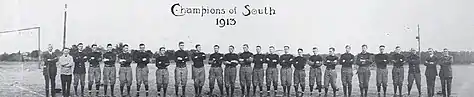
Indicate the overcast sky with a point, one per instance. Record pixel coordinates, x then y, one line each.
298 23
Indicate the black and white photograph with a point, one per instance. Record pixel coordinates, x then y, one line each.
236 48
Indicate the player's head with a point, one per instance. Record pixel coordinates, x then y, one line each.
65 51
162 50
382 48
331 50
50 47
181 45
94 47
141 47
445 51
245 47
430 50
80 46
348 48
286 49
397 49
412 50
125 48
216 48
315 50
231 49
364 48
109 47
271 49
198 47
258 49
300 51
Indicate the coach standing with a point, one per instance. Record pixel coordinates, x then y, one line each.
50 70
215 72
181 72
142 58
363 60
162 74
94 69
230 72
271 73
125 71
245 71
347 60
315 73
397 71
109 73
80 58
381 61
198 69
431 72
286 76
258 72
330 75
299 74
414 71
446 73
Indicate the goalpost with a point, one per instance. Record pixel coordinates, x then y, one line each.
38 30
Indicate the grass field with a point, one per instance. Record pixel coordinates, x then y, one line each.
19 79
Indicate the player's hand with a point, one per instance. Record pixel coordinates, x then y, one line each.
227 62
343 60
296 62
274 61
106 59
195 57
144 59
85 57
179 58
159 62
234 61
317 62
48 59
431 62
92 58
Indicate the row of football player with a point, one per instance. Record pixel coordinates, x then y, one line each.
363 60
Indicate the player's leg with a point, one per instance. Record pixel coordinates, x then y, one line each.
220 79
177 80
411 78
145 79
418 82
122 80
326 81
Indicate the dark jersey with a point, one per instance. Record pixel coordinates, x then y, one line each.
346 60
245 56
430 63
398 60
299 62
363 59
413 63
94 59
50 60
286 60
381 60
231 57
198 59
317 59
272 60
142 58
79 61
112 57
331 62
183 55
258 61
216 59
162 61
127 59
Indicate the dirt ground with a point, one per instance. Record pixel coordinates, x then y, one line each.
23 79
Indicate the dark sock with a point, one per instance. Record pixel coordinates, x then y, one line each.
325 90
344 89
378 88
366 89
164 91
128 90
232 91
361 91
261 88
138 88
268 88
105 89
221 88
384 89
176 90
275 88
248 90
121 90
184 90
210 90
82 89
400 88
75 89
395 89
112 90
296 88
289 88
284 90
334 90
302 88
242 89
90 88
146 88
311 88
349 90
409 89
195 89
